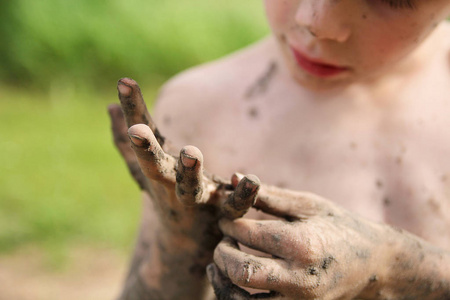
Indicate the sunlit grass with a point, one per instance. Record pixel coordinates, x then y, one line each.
91 42
61 178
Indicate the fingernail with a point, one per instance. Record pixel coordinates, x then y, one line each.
137 140
250 186
124 90
188 161
251 182
254 179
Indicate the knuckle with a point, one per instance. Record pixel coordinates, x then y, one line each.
246 273
308 286
314 281
312 250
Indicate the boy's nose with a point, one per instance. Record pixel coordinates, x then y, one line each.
325 19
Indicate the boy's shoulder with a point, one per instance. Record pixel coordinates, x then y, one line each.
208 91
221 77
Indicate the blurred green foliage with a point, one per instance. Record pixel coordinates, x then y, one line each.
96 42
61 180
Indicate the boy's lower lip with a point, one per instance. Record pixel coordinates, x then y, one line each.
316 68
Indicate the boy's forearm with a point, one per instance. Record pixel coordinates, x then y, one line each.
414 269
171 281
165 265
168 269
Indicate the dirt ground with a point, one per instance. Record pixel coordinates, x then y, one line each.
89 274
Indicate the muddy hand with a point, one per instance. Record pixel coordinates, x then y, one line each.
149 161
318 250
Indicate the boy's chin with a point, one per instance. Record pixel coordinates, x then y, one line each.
314 83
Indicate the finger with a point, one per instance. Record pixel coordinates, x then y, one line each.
122 142
288 204
239 202
155 164
226 290
248 270
236 178
134 107
189 186
269 236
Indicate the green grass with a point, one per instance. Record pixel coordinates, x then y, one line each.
94 42
61 179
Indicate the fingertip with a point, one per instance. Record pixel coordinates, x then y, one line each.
250 185
139 134
113 107
114 111
137 140
124 86
127 81
139 130
242 199
188 161
192 151
253 179
190 155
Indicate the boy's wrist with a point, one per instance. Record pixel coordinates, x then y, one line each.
408 266
172 266
169 259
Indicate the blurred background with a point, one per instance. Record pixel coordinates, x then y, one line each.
68 208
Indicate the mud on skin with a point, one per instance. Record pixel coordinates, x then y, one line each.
173 261
263 82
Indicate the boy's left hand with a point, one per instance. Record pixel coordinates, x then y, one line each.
318 251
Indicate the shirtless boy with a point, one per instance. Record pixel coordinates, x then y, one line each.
349 100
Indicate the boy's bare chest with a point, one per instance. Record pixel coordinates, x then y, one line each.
392 171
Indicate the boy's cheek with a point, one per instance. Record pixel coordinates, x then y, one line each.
280 14
391 41
382 50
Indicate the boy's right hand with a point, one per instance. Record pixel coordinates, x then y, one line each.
180 229
187 201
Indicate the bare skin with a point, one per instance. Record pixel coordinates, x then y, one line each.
377 148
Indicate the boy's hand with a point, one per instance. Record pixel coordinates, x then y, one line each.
318 251
187 203
178 185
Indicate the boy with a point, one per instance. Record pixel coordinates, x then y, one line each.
347 100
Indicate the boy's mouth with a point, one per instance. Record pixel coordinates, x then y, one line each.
316 67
